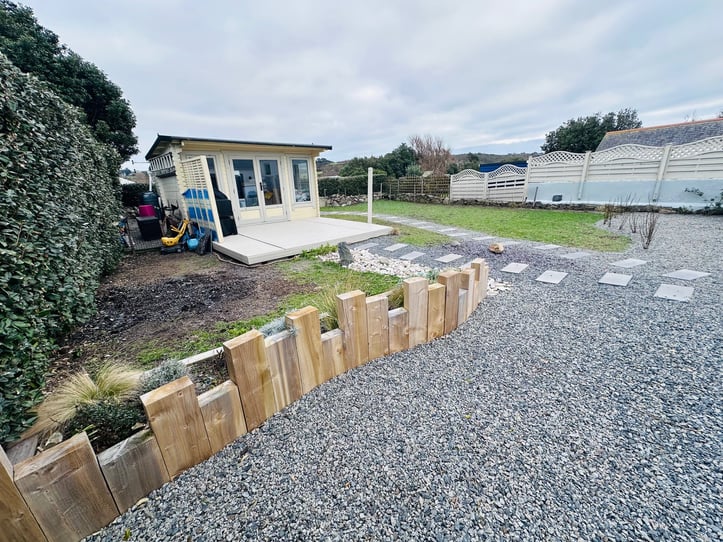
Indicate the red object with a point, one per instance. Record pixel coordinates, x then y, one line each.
146 210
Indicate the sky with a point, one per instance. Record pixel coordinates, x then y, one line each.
484 75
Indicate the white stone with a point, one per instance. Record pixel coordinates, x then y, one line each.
615 279
551 277
630 262
674 292
514 267
686 274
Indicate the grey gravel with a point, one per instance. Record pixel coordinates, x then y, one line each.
556 412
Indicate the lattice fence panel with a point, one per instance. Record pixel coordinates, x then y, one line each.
562 157
696 148
197 192
628 153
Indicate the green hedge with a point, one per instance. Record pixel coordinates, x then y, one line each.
131 194
349 186
59 206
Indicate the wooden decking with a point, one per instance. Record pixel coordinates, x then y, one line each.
260 243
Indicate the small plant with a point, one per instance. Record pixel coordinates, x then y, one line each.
609 212
110 382
432 275
396 297
107 421
633 223
273 327
716 207
166 372
648 225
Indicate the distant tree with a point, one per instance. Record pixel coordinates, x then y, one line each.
323 161
720 115
432 153
396 162
359 166
413 170
453 168
37 50
586 133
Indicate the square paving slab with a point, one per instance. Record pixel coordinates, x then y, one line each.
630 262
674 292
448 258
447 229
483 238
511 243
514 267
411 255
551 277
686 274
616 279
575 255
365 246
458 234
396 246
546 247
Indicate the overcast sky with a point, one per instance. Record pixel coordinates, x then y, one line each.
490 76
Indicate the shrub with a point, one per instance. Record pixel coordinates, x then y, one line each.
107 421
113 381
349 186
131 194
166 372
58 206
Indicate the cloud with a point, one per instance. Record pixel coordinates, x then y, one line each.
364 76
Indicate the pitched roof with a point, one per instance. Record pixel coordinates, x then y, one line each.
163 140
659 136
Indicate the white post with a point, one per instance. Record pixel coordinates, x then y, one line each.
661 171
583 177
487 184
370 193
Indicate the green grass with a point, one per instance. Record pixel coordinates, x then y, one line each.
407 234
306 271
569 228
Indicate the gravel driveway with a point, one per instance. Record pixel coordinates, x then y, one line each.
556 412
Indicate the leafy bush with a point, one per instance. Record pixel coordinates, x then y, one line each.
166 372
349 186
131 194
111 382
107 422
58 206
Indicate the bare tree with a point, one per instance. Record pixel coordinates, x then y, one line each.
432 153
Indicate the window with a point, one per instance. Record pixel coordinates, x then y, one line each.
302 191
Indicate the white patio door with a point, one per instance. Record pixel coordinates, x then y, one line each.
259 189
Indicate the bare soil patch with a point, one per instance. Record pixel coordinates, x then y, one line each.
160 299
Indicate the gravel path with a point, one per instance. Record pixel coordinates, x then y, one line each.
556 412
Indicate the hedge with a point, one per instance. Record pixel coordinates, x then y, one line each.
131 194
349 186
59 206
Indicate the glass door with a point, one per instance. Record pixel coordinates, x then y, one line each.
258 189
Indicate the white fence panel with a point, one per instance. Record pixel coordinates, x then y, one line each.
467 184
507 183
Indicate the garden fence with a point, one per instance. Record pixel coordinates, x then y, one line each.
67 492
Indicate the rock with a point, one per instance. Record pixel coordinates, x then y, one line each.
345 256
497 248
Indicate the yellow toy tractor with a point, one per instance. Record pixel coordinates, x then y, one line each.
176 244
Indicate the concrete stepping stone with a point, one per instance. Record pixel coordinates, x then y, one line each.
546 247
674 292
551 277
397 246
447 229
484 238
615 279
411 255
458 234
575 255
511 243
515 267
630 262
365 246
448 258
686 274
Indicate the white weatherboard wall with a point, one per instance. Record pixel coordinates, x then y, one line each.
640 173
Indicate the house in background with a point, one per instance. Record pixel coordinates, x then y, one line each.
667 134
260 200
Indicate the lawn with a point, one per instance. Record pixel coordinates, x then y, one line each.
569 228
407 234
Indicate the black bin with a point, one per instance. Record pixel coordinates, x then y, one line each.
150 227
